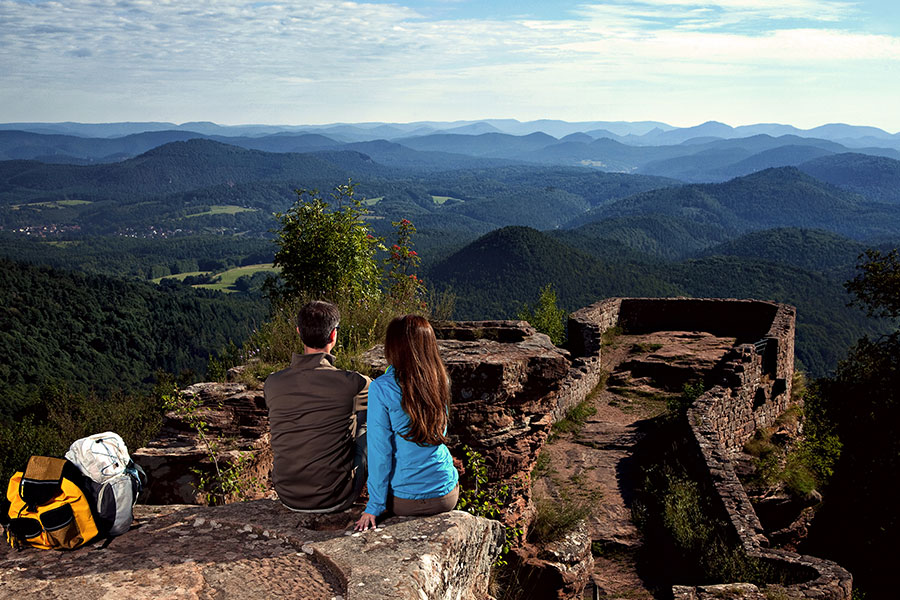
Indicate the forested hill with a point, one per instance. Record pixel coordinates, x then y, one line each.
662 236
782 197
106 333
875 177
810 249
172 168
499 273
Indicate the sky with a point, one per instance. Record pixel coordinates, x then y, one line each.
683 62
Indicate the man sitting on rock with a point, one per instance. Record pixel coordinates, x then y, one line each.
317 417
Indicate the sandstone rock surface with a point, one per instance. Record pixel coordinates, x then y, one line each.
725 591
236 416
260 549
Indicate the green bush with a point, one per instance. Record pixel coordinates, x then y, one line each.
801 467
684 515
482 498
687 539
326 249
690 392
699 547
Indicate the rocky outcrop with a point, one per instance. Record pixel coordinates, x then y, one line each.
236 419
672 359
262 550
509 385
556 570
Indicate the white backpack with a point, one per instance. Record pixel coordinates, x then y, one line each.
111 478
101 456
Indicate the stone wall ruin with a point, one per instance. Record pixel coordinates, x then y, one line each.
751 387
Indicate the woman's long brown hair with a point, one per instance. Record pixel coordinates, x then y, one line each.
411 347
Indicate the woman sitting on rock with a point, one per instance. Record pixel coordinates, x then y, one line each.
411 471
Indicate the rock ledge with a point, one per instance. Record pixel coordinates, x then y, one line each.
261 549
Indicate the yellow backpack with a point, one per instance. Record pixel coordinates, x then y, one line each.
47 508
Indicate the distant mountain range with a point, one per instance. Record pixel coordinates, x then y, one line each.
650 132
779 197
711 152
855 195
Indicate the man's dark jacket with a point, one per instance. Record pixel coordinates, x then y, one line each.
312 416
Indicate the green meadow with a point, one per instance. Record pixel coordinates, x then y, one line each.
52 204
443 199
224 281
221 209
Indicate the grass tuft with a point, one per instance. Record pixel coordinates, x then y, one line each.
574 420
608 338
554 518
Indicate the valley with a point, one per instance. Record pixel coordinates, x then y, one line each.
499 213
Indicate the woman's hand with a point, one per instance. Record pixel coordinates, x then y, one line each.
366 521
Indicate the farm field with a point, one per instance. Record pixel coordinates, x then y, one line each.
442 199
223 281
52 204
222 209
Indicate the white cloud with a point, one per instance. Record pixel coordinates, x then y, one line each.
725 11
322 60
790 46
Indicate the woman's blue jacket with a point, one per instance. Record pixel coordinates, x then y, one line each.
398 466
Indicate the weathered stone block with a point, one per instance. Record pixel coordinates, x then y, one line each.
261 549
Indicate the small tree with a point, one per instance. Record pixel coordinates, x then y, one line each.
406 290
877 286
546 317
327 250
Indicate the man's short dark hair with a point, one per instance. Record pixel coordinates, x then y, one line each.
316 320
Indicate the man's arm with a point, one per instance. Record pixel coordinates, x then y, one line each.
361 399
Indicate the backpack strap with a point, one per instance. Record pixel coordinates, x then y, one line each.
139 475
